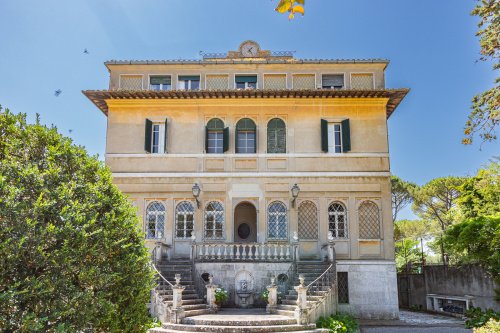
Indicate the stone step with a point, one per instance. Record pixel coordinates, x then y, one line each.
241 321
239 328
283 312
294 302
309 297
170 292
193 306
190 301
167 330
184 297
287 307
196 312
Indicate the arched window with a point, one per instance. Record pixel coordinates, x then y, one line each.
308 220
369 220
155 220
277 224
337 220
245 136
276 136
214 220
184 219
216 137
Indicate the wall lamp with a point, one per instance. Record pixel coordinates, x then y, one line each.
196 193
295 193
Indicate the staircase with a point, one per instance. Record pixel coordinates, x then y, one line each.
191 302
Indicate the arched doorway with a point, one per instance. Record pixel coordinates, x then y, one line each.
245 223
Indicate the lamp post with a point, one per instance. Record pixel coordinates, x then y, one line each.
295 193
196 193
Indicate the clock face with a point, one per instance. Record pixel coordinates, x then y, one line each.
249 49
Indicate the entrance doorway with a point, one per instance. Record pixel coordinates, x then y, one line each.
245 223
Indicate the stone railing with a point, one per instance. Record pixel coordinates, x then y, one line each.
282 252
167 313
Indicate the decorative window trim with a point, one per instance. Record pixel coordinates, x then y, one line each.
206 214
186 231
278 229
159 226
346 220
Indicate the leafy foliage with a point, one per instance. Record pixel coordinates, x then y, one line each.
402 194
478 318
221 295
407 253
492 326
340 322
480 195
291 6
485 114
414 229
73 258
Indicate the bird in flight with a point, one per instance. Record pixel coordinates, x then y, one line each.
57 92
86 51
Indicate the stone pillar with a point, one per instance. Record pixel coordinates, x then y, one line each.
177 309
272 298
331 248
301 310
211 294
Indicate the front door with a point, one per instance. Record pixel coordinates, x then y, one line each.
245 223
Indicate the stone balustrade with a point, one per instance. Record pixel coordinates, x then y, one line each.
281 252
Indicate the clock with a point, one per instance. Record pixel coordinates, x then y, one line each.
249 49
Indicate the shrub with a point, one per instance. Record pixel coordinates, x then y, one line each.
492 326
339 323
478 318
221 295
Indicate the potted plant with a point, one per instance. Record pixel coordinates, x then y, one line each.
221 295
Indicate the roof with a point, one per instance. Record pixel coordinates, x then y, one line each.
99 97
246 61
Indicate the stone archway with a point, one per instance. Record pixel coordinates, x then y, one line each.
245 223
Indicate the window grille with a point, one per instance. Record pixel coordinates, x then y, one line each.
131 82
337 220
277 224
361 81
215 136
369 220
304 81
276 136
214 220
245 136
308 220
184 219
343 287
274 81
217 82
155 220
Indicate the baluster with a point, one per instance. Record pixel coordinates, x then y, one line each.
238 252
287 252
257 254
212 251
224 254
231 251
275 252
219 251
282 252
245 253
269 252
260 255
200 253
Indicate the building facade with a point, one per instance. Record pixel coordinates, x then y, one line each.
248 161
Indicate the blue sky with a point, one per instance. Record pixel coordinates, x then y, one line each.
431 45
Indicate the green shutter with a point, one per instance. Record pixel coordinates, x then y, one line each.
165 139
324 135
189 77
225 139
346 136
255 141
206 139
248 78
276 136
148 133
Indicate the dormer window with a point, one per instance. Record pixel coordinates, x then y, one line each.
333 81
160 82
188 82
246 81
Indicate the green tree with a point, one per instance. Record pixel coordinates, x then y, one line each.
414 229
72 254
485 114
480 195
437 201
407 253
402 194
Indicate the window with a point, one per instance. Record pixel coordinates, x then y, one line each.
214 220
217 82
155 220
216 137
155 137
160 82
335 137
337 220
308 221
304 81
277 225
343 287
245 136
362 81
188 82
184 220
332 81
275 81
276 136
246 81
131 82
369 220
